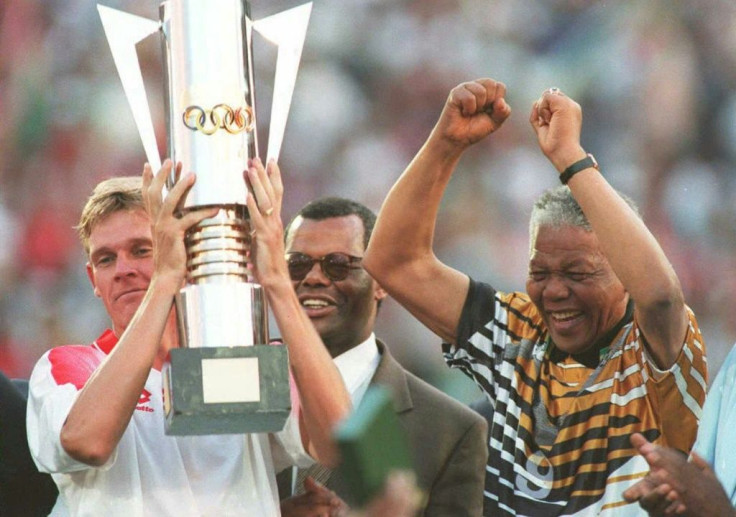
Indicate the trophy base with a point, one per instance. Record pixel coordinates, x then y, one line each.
226 390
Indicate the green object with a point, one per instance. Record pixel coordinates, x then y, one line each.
194 377
372 444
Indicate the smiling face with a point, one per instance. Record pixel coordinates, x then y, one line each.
343 311
121 263
573 286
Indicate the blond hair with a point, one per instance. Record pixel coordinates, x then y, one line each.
108 197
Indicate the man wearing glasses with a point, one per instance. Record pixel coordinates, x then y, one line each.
324 248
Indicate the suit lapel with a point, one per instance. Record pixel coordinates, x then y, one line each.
392 376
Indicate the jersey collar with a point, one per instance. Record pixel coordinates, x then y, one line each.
107 341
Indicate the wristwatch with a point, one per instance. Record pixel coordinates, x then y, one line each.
580 165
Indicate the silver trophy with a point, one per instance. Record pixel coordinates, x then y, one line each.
225 378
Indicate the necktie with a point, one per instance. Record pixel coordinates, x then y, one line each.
318 472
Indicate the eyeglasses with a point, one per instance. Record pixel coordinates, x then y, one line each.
335 266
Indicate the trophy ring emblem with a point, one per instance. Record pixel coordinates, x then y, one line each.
221 116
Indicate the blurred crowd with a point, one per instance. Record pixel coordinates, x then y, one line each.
656 79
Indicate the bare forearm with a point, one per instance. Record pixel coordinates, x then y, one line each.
322 393
400 254
638 261
629 246
105 405
405 228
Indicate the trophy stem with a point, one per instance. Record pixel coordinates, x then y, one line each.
217 248
225 378
221 305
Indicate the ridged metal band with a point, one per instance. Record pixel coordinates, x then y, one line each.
217 248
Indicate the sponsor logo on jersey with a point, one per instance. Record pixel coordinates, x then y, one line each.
144 401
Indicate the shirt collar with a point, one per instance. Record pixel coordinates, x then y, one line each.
594 355
359 362
107 341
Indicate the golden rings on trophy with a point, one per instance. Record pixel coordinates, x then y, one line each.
222 116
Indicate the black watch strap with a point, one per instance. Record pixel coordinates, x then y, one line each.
580 165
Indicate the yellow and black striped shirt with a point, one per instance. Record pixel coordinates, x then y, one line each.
559 439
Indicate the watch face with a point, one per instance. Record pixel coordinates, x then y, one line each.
594 163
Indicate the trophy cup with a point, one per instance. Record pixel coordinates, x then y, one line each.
225 377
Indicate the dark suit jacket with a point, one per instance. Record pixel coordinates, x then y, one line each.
24 491
446 438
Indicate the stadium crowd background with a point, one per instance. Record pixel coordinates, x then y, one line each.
656 79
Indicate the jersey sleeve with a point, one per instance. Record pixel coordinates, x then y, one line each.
493 327
680 392
287 448
54 385
473 350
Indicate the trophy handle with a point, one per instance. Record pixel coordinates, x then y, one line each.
287 30
123 31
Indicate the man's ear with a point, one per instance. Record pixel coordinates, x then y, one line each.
91 276
379 293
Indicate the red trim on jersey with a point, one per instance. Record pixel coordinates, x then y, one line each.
107 341
73 364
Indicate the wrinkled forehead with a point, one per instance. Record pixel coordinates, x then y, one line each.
564 244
